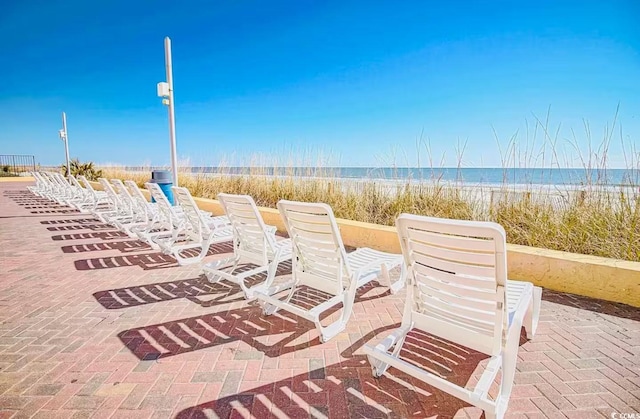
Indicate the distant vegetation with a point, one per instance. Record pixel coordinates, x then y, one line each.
6 171
87 170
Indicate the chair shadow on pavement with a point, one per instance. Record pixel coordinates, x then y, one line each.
126 246
197 290
104 235
348 388
247 324
71 221
95 226
64 210
40 205
146 261
25 198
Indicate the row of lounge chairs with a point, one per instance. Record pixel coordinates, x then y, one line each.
455 271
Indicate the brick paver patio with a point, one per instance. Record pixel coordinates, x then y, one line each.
94 324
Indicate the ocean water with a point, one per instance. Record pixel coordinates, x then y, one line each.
488 176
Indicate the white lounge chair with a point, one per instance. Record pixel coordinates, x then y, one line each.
458 291
194 230
131 213
145 210
117 207
40 186
58 187
321 262
98 200
254 243
80 196
165 223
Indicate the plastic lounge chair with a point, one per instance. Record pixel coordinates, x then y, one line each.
145 210
166 223
321 262
48 188
254 243
98 199
116 209
195 230
51 187
42 185
131 211
39 186
59 188
68 192
80 195
458 291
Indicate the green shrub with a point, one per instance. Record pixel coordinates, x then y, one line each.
87 170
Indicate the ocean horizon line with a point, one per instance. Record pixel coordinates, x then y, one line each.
320 167
468 175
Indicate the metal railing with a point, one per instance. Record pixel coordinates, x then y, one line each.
16 164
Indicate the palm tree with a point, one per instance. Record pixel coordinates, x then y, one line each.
88 170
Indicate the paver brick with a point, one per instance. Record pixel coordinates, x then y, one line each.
97 324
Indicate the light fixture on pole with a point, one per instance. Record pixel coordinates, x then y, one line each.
165 91
63 136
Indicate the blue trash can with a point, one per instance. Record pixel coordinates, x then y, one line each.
164 180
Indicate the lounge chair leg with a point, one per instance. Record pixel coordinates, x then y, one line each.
269 309
271 273
327 333
384 272
509 359
533 313
191 260
400 283
212 277
490 415
395 341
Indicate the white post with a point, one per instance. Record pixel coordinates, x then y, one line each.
172 115
66 142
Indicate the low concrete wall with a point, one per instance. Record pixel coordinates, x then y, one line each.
591 276
17 179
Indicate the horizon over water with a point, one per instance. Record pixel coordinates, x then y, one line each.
540 176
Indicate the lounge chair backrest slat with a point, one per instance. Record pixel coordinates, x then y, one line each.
193 217
457 275
250 232
61 182
320 258
137 196
106 186
87 186
163 205
123 193
140 201
74 182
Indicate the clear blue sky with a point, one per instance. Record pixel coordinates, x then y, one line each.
355 80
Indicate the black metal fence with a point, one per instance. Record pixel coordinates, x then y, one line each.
16 164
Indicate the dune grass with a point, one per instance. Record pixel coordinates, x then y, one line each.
591 222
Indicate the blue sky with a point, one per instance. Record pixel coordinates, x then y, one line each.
357 81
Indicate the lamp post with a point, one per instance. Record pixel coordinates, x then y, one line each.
165 91
63 136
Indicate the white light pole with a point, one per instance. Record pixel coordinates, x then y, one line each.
165 91
63 136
